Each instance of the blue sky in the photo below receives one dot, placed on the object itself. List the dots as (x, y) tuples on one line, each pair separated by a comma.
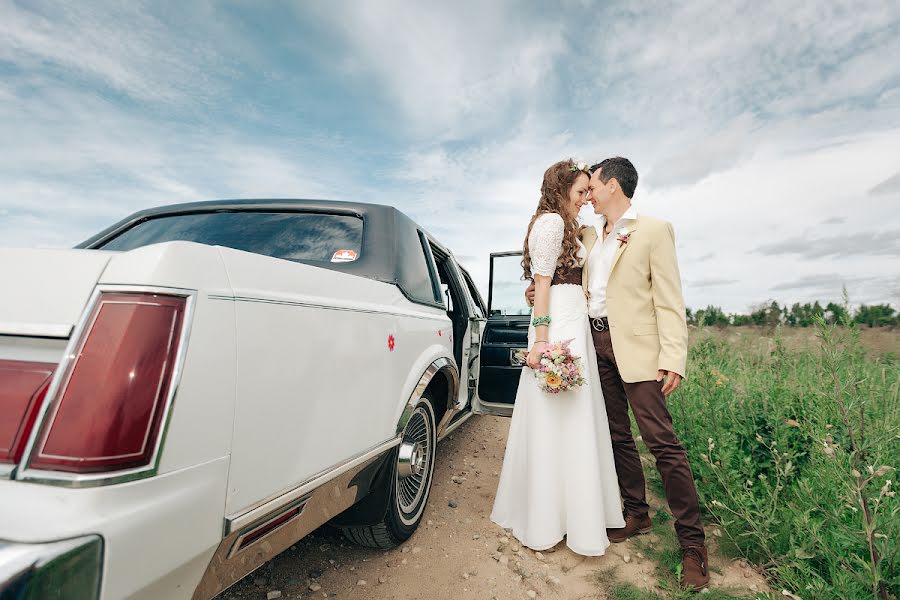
[(768, 133)]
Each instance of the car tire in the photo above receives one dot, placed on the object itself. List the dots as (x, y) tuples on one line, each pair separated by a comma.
[(410, 481)]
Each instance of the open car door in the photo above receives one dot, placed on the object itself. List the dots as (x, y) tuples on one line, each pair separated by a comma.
[(505, 332)]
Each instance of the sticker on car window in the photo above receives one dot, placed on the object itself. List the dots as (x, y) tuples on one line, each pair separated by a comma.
[(344, 256)]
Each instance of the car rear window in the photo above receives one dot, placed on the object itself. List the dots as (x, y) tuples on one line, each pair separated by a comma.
[(319, 237)]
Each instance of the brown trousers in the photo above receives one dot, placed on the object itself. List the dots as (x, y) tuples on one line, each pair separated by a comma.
[(655, 424)]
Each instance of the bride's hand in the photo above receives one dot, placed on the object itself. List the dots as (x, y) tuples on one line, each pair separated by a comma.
[(534, 355)]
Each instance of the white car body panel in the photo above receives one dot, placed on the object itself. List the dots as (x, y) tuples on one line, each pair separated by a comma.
[(150, 527), (303, 404)]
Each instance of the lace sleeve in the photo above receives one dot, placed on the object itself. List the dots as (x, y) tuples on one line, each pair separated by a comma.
[(545, 244)]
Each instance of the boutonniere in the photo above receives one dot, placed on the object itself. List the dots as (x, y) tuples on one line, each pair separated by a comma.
[(622, 235)]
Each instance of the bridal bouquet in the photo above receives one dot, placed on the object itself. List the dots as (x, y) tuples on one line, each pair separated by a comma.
[(560, 370)]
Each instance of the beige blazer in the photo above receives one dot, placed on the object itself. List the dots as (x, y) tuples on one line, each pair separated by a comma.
[(644, 301)]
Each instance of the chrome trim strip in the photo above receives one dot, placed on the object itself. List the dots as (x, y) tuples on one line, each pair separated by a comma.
[(441, 364), (513, 361), (274, 503), (44, 330), (299, 504), (450, 429), (62, 373), (426, 317), (441, 427), (325, 502)]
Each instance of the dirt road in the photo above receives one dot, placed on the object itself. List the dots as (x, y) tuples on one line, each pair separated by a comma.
[(458, 553)]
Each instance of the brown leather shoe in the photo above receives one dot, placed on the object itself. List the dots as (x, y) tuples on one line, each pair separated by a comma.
[(694, 568), (633, 526)]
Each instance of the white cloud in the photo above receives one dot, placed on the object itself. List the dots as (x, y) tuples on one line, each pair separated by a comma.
[(75, 162), (121, 46), (777, 196), (890, 185), (721, 220), (746, 124), (451, 69), (749, 126), (698, 64)]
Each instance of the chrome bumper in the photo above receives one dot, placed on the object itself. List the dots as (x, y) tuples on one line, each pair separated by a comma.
[(70, 569)]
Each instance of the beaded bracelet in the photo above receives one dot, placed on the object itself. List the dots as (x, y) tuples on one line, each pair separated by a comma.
[(538, 321)]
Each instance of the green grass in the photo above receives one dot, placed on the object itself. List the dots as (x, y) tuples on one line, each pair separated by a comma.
[(792, 447), (626, 591), (604, 577), (666, 553)]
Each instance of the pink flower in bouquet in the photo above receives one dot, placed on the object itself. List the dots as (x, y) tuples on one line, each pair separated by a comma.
[(559, 370)]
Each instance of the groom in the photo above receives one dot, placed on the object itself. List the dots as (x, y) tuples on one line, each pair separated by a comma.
[(639, 328)]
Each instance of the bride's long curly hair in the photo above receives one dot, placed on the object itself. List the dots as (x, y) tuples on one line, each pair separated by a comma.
[(558, 181)]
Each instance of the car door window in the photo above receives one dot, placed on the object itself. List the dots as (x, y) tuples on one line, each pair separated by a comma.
[(432, 270), (507, 292), (480, 310)]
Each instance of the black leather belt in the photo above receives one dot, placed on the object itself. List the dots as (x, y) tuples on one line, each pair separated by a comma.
[(601, 324)]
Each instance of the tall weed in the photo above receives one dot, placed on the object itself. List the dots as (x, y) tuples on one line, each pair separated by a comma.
[(794, 453)]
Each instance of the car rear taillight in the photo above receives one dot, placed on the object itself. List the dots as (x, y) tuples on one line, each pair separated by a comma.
[(110, 405), (23, 386)]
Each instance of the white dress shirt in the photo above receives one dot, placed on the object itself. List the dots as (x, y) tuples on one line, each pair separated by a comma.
[(600, 262)]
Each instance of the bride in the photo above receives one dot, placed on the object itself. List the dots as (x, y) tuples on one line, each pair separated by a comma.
[(558, 477)]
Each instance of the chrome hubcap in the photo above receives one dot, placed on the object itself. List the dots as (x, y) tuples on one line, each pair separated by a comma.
[(411, 460), (414, 461)]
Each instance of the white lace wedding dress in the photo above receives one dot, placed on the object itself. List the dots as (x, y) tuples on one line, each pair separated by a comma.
[(558, 477)]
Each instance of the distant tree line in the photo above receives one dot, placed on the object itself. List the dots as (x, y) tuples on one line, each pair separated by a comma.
[(798, 315)]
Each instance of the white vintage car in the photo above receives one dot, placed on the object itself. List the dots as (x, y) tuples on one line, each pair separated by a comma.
[(194, 389)]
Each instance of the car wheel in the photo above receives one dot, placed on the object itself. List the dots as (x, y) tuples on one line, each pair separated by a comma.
[(413, 470)]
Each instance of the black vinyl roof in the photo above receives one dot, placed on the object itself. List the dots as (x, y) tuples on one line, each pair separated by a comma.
[(390, 238)]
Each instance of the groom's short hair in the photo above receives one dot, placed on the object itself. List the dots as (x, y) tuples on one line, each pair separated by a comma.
[(622, 170)]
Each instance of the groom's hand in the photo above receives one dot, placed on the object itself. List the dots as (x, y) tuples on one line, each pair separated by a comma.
[(529, 295), (672, 381)]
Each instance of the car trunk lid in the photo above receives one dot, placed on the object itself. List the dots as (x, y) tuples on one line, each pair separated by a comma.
[(45, 291), (44, 295)]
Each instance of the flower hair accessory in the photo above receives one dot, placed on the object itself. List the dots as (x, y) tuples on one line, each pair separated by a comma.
[(583, 167)]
